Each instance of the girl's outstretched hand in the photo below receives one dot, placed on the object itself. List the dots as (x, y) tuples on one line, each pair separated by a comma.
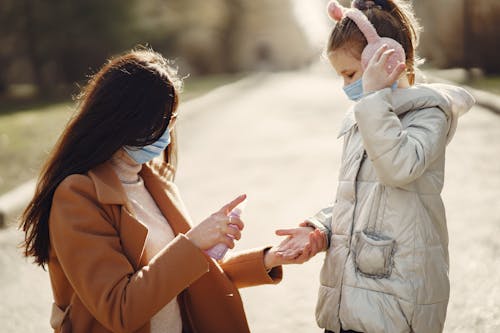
[(375, 76), (302, 244)]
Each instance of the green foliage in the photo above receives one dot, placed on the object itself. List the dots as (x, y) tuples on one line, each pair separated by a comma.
[(84, 33), (488, 83), (53, 44), (25, 140), (61, 40)]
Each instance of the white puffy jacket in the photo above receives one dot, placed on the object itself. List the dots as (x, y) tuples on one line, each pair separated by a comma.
[(386, 268)]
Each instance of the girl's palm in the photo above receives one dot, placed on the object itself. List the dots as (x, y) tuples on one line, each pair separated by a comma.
[(303, 242)]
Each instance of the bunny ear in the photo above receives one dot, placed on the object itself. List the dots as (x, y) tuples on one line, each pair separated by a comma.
[(335, 10)]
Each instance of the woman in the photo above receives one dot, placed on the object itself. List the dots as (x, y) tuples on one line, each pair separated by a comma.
[(108, 221)]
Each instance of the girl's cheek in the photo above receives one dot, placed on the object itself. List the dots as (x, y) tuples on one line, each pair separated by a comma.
[(358, 76)]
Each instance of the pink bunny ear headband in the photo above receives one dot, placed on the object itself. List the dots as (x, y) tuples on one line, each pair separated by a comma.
[(337, 12)]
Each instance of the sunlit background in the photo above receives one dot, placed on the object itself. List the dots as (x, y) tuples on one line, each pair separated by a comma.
[(47, 48), (256, 80), (48, 51)]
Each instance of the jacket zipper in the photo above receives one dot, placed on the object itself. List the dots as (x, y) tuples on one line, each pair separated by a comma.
[(362, 159)]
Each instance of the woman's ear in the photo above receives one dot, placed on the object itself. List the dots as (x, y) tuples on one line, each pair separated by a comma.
[(335, 10)]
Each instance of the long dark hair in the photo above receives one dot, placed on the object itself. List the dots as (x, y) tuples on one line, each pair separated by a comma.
[(391, 18), (130, 102)]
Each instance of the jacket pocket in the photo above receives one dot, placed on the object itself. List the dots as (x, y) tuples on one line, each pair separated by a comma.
[(59, 319), (374, 254)]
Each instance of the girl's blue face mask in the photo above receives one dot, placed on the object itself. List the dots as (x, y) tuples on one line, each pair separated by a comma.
[(354, 91), (147, 153)]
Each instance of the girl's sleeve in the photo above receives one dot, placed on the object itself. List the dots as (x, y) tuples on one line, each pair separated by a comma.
[(89, 250), (400, 154), (322, 220)]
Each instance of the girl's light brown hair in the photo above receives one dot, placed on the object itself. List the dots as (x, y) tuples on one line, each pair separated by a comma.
[(129, 102), (391, 18)]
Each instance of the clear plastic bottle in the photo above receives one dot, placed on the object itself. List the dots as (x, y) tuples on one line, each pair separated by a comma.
[(219, 251)]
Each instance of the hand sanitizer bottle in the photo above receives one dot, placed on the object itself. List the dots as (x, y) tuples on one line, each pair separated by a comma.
[(219, 251)]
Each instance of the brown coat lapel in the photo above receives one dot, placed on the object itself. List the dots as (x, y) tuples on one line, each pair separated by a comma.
[(133, 233)]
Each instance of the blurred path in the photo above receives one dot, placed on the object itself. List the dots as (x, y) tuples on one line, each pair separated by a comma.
[(25, 294), (274, 137)]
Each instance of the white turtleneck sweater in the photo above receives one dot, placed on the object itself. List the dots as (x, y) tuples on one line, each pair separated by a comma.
[(168, 319)]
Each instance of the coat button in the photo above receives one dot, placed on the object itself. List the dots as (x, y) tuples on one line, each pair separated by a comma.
[(358, 156)]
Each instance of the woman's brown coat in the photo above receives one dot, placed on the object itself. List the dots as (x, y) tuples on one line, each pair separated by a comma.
[(98, 282)]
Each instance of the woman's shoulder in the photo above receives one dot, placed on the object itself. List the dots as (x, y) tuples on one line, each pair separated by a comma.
[(75, 193), (99, 184), (83, 195), (75, 185)]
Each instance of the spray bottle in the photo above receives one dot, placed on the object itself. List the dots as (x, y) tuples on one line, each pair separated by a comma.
[(219, 251)]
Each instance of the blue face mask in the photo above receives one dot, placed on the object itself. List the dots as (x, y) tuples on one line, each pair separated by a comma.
[(147, 153), (354, 91)]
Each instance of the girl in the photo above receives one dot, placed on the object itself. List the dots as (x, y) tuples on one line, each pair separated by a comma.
[(108, 221), (386, 266)]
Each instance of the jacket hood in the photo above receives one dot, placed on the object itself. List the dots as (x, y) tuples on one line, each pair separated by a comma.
[(452, 100)]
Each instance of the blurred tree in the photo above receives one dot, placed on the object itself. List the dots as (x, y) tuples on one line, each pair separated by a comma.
[(235, 14), (267, 36), (482, 50), (466, 38), (93, 29), (193, 30), (61, 39), (53, 44), (9, 28), (33, 37)]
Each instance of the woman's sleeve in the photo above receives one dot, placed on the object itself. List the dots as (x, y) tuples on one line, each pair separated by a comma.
[(247, 269), (89, 250), (400, 154)]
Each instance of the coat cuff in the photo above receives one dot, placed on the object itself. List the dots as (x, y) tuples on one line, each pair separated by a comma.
[(247, 269), (177, 253)]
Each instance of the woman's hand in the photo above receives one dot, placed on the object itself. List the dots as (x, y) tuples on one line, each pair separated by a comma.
[(375, 76), (302, 244), (217, 228)]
